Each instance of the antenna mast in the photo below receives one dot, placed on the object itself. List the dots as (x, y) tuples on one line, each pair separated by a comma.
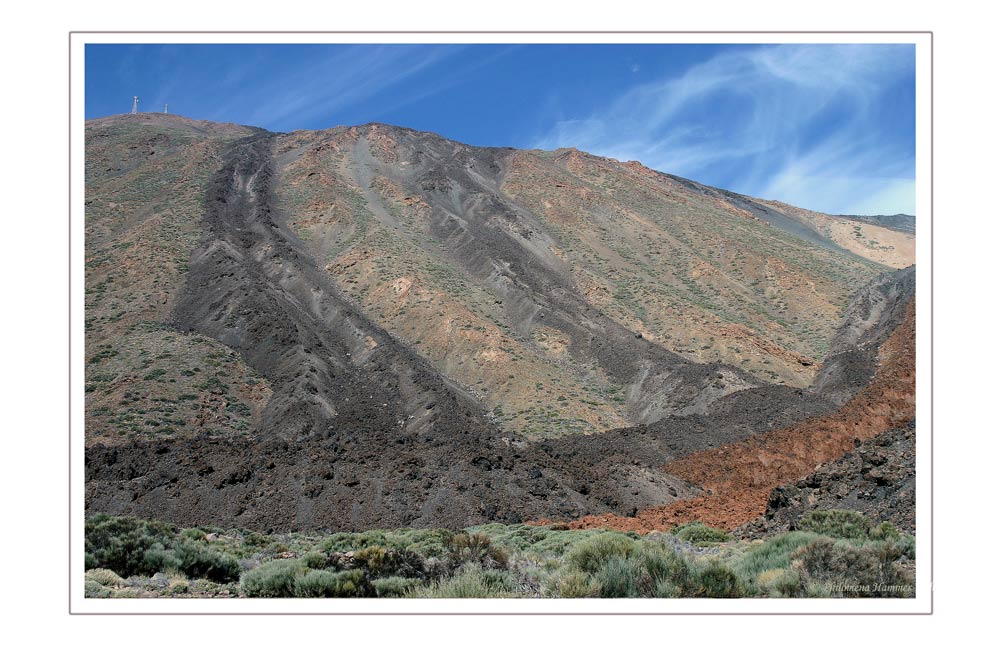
[(135, 104)]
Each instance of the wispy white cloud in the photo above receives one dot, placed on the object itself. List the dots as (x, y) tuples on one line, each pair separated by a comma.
[(798, 123), (321, 89)]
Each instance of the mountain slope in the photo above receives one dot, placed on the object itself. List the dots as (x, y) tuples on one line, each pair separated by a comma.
[(530, 276), (373, 326)]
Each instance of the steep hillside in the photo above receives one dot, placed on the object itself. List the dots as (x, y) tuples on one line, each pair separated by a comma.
[(565, 292), (529, 276), (373, 326), (146, 177)]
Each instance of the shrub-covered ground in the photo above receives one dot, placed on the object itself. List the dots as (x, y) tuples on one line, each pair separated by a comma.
[(835, 554)]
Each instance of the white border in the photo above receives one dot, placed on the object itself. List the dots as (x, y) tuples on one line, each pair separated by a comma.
[(921, 604)]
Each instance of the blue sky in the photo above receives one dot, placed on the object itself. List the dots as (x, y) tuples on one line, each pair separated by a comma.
[(825, 127)]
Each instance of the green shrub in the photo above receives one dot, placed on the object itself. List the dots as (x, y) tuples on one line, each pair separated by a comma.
[(193, 533), (837, 568), (575, 585), (159, 559), (105, 577), (885, 531), (475, 548), (427, 542), (619, 566), (472, 582), (517, 538), (621, 576), (351, 542), (379, 562), (272, 579), (664, 565), (779, 583), (94, 590), (256, 540), (324, 583), (836, 523), (667, 589), (394, 586), (589, 555), (700, 534), (201, 562), (774, 554), (373, 558), (908, 544), (537, 541), (119, 543), (715, 581), (315, 560), (178, 585)]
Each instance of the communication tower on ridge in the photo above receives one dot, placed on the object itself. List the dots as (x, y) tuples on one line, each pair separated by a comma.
[(135, 104)]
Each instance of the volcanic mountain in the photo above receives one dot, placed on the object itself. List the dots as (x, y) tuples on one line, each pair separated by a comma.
[(373, 326)]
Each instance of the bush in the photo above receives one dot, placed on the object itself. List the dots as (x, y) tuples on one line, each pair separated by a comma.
[(589, 555), (908, 544), (324, 583), (666, 566), (836, 523), (394, 586), (475, 548), (272, 579), (94, 590), (160, 559), (667, 589), (193, 533), (619, 566), (379, 562), (884, 532), (472, 582), (256, 540), (350, 542), (621, 576), (427, 542), (700, 534), (105, 577), (373, 558), (315, 560), (772, 555), (779, 583), (178, 585), (200, 562), (575, 585), (837, 568), (120, 543), (715, 581)]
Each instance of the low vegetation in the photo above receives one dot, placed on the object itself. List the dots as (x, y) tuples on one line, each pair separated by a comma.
[(829, 556)]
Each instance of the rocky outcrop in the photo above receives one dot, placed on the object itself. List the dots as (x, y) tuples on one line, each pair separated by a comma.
[(876, 479)]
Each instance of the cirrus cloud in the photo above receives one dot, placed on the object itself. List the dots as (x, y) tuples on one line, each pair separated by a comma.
[(817, 126)]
